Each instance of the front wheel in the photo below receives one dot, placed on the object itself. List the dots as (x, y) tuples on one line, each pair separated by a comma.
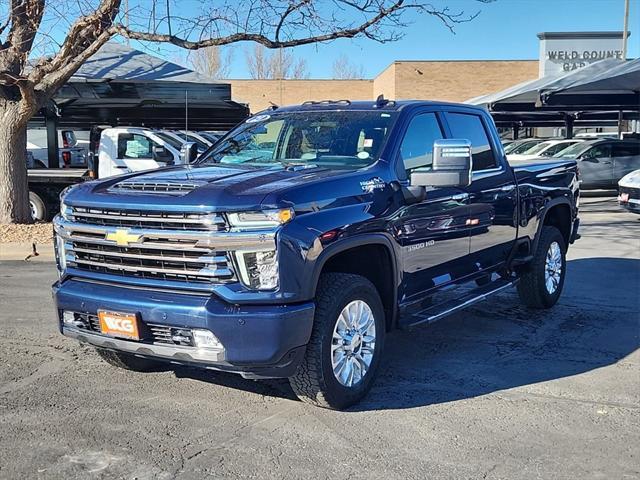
[(541, 283), (344, 351)]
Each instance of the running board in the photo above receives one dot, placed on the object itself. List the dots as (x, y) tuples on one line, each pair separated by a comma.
[(436, 312)]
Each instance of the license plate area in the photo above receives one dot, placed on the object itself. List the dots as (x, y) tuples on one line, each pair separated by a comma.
[(119, 324)]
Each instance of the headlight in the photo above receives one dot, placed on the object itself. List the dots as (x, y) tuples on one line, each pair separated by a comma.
[(61, 255), (260, 220), (65, 210), (258, 270)]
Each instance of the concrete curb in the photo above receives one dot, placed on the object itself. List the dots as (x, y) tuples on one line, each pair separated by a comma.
[(22, 250)]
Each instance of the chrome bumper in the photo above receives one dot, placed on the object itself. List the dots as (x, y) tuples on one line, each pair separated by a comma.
[(166, 352)]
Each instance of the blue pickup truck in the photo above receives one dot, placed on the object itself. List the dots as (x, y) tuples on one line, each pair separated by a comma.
[(295, 243)]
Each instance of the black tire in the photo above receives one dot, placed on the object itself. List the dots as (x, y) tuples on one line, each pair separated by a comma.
[(130, 362), (39, 211), (314, 381), (532, 287), (39, 164)]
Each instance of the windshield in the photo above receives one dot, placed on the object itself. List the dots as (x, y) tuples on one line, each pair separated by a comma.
[(573, 151), (537, 148), (190, 138), (177, 144), (331, 139), (523, 147)]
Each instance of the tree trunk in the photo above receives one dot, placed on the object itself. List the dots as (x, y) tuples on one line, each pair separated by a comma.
[(14, 191)]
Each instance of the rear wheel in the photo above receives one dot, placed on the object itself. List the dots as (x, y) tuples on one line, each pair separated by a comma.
[(343, 354), (38, 208), (541, 283), (130, 362)]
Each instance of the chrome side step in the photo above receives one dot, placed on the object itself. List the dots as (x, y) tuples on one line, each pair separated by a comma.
[(441, 310)]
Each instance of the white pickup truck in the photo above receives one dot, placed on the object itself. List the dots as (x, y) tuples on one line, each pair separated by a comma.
[(120, 150), (131, 149)]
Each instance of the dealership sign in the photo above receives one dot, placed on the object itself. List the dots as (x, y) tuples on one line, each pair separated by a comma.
[(568, 51)]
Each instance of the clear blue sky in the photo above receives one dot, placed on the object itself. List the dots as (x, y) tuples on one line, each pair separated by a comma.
[(505, 29)]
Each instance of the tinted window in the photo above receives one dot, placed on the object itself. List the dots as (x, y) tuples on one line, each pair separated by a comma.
[(417, 145), (470, 127), (558, 147), (626, 149), (132, 145), (348, 139), (598, 151)]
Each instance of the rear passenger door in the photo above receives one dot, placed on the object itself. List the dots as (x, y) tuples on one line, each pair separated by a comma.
[(492, 220), (596, 166), (432, 233), (626, 158)]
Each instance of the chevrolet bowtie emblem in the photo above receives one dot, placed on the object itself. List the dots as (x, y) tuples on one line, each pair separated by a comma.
[(122, 237)]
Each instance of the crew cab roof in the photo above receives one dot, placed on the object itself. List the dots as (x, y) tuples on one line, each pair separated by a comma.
[(372, 105)]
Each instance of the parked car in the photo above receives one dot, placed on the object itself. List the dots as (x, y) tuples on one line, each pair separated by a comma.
[(520, 146), (180, 138), (131, 149), (363, 217), (602, 163), (629, 191), (212, 137), (547, 148), (115, 151)]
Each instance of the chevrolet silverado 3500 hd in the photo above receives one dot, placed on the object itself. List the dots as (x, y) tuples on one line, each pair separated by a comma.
[(295, 243)]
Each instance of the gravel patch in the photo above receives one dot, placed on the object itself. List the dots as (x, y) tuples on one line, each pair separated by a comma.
[(38, 232)]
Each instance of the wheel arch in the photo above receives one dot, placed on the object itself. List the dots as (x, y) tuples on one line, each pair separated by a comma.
[(371, 256), (557, 213)]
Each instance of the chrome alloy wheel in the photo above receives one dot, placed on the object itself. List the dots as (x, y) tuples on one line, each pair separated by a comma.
[(353, 343), (553, 268)]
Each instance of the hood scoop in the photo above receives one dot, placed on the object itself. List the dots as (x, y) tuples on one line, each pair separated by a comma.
[(157, 186)]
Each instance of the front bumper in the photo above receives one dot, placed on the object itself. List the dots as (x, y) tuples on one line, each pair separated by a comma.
[(259, 341), (632, 204)]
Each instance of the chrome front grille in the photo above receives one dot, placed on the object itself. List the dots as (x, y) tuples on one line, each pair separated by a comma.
[(148, 219), (178, 248), (162, 264)]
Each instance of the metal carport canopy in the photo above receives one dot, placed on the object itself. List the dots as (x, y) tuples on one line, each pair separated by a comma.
[(123, 86), (606, 85)]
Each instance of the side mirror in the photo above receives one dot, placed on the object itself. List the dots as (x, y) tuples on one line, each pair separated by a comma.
[(451, 167), (161, 154), (189, 152)]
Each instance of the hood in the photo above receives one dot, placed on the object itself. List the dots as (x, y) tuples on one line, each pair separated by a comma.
[(630, 180), (212, 188)]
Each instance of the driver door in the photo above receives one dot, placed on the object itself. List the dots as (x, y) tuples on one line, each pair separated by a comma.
[(432, 233)]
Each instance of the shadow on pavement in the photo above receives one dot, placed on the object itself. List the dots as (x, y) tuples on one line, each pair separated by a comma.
[(499, 344)]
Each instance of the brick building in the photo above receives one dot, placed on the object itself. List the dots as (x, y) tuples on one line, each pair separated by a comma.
[(454, 81)]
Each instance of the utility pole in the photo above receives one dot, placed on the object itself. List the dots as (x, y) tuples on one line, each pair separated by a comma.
[(624, 58), (624, 30)]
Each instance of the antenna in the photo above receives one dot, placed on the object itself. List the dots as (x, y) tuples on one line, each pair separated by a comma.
[(186, 114)]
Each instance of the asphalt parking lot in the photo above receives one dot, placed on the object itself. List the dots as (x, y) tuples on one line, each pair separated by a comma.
[(495, 392)]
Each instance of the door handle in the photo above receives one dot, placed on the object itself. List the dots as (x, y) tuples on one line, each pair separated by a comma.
[(606, 163), (121, 166), (460, 196), (507, 188)]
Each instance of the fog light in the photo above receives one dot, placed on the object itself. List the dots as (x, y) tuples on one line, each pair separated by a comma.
[(205, 339), (69, 318)]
